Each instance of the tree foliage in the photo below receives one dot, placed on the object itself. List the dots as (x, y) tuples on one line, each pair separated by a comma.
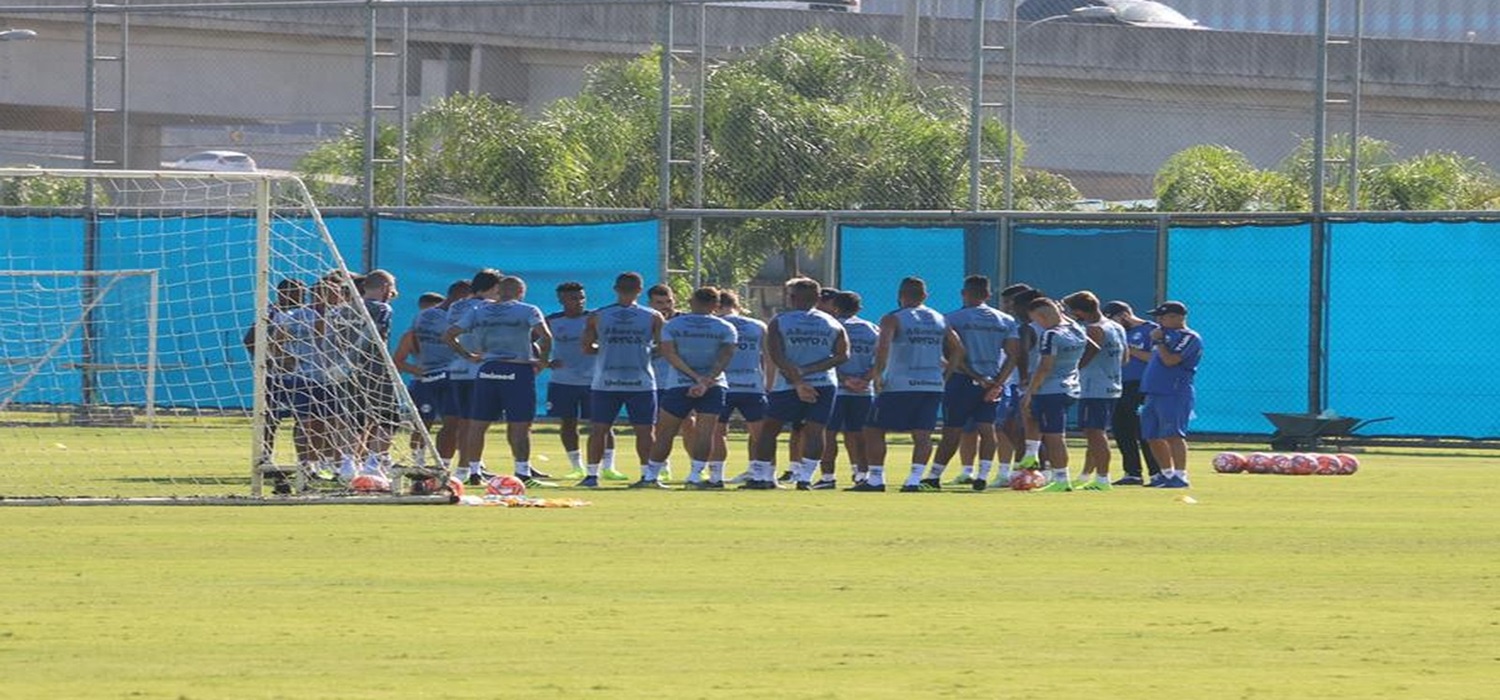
[(815, 120)]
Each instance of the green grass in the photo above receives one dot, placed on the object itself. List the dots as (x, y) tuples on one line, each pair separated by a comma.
[(1380, 585)]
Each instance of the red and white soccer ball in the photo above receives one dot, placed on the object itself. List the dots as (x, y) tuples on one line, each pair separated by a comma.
[(1348, 464), (1304, 464), (1260, 463), (370, 483), (1230, 463), (1027, 479), (1328, 465), (505, 485), (431, 485), (1281, 463)]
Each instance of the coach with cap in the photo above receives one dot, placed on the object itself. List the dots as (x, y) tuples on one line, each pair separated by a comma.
[(1126, 423), (1168, 385)]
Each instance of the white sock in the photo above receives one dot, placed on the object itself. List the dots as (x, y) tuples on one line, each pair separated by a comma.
[(936, 471), (1101, 479), (523, 469), (476, 466), (609, 460), (877, 475), (809, 467), (652, 470), (1060, 475), (915, 475), (575, 458), (985, 466), (757, 470), (1005, 472), (967, 471), (715, 471), (825, 477), (1033, 448), (419, 457), (695, 471), (593, 470)]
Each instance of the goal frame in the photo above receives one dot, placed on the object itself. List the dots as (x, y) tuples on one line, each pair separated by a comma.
[(260, 205)]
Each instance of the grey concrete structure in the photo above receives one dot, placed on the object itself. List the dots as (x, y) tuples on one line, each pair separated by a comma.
[(1103, 101)]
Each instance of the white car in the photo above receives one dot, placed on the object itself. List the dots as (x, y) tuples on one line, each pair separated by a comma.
[(217, 161)]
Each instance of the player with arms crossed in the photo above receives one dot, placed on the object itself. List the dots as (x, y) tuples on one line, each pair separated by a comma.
[(1168, 386), (804, 345), (572, 374), (697, 346), (746, 375), (914, 339), (1054, 387), (500, 337), (1099, 386), (621, 337)]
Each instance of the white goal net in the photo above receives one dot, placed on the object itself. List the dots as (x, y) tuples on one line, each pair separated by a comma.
[(168, 335)]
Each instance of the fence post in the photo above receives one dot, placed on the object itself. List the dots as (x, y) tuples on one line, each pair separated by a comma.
[(1317, 282), (1163, 231)]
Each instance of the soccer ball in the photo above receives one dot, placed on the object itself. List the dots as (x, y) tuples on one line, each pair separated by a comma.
[(370, 483), (431, 485), (1328, 464), (1260, 463), (505, 485), (1027, 479), (1229, 463), (1348, 464), (1281, 464), (1303, 464)]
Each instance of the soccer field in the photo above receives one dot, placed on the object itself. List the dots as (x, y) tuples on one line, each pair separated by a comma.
[(1372, 586)]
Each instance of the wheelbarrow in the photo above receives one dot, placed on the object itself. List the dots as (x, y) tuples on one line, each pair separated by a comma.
[(1305, 432)]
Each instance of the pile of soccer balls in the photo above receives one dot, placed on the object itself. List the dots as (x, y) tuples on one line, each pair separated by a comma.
[(1293, 464)]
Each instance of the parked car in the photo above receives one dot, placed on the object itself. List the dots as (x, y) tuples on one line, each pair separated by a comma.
[(217, 161)]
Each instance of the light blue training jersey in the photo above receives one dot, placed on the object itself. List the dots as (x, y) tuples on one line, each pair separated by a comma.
[(501, 331), (461, 368), (428, 327), (298, 329), (698, 339), (983, 330), (576, 368), (807, 337), (746, 374), (625, 343), (1064, 343), (862, 338), (915, 362), (1102, 377)]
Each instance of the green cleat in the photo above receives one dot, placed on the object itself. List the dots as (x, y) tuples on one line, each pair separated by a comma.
[(576, 475), (1094, 486), (961, 480), (613, 475), (1056, 487), (1028, 462), (532, 483)]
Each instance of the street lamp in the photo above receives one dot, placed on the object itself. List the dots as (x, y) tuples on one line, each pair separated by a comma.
[(1085, 12), (17, 34)]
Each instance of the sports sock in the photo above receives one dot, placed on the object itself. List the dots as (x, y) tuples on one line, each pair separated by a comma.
[(877, 475), (915, 475), (609, 460), (985, 466), (695, 471), (967, 471), (809, 467), (419, 457), (652, 470), (576, 459), (1060, 475), (715, 471), (523, 469), (758, 470), (936, 470), (1033, 448), (1102, 479), (1005, 472), (593, 470)]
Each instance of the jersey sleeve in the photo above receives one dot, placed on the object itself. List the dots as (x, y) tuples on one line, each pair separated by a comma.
[(666, 332), (1189, 347), (1048, 343), (535, 318), (465, 320)]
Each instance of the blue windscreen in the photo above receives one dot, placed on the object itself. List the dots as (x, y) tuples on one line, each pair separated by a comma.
[(1246, 289), (1113, 262), (1386, 283), (27, 338), (873, 260)]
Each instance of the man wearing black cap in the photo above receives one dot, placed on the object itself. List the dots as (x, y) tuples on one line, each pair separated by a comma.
[(1126, 423), (1168, 385)]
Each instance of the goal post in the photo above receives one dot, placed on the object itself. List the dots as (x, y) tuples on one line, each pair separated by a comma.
[(155, 325)]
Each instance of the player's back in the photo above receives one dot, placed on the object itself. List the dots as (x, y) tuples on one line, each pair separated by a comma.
[(746, 374), (1065, 343), (982, 330), (432, 353), (575, 368), (698, 339), (462, 368), (863, 335), (915, 362), (807, 337), (1101, 378), (502, 331), (298, 329), (625, 339)]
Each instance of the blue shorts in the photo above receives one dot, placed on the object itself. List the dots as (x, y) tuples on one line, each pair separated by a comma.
[(752, 407), (505, 391), (850, 413), (964, 404), (1166, 415), (568, 400), (460, 399), (905, 410), (430, 393), (679, 404), (784, 406), (1009, 405), (1051, 412), (1096, 414), (640, 406)]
